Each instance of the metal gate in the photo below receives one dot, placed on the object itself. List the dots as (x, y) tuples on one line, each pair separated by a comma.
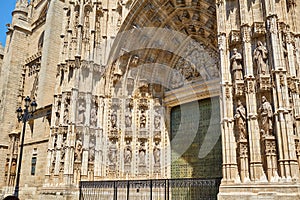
[(155, 189)]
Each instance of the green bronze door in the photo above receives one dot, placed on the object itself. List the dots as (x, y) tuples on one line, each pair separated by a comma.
[(196, 146)]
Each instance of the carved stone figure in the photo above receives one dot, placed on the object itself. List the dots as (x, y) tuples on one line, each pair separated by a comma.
[(176, 80), (127, 155), (143, 120), (66, 116), (156, 155), (78, 150), (240, 117), (57, 115), (112, 152), (63, 147), (113, 119), (128, 119), (236, 65), (157, 122), (13, 167), (81, 113), (266, 114), (94, 116), (92, 149), (260, 58), (142, 154)]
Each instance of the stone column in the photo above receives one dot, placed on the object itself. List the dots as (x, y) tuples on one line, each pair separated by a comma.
[(58, 157), (269, 145), (256, 170), (50, 153), (283, 120), (230, 172), (98, 154), (297, 84)]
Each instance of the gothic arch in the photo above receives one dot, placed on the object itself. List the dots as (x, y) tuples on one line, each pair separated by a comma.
[(164, 55)]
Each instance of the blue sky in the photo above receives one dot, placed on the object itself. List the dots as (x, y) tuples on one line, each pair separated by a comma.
[(6, 7)]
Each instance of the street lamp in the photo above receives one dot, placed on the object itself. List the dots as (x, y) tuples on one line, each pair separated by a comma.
[(23, 116)]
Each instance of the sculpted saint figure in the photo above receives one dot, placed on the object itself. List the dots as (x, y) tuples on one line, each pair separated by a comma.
[(266, 114), (143, 120), (112, 153), (78, 150), (66, 116), (236, 65), (94, 116), (142, 154), (240, 117), (261, 57), (127, 155), (81, 113), (128, 119), (157, 122), (114, 120), (156, 154)]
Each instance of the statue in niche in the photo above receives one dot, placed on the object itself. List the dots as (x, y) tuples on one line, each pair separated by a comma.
[(81, 113), (260, 58), (13, 167), (128, 119), (142, 154), (94, 116), (240, 117), (58, 106), (114, 119), (266, 115), (86, 24), (156, 154), (157, 122), (127, 155), (236, 65), (78, 150), (16, 145), (63, 147), (92, 149), (66, 116), (112, 152), (143, 120), (57, 115), (98, 30)]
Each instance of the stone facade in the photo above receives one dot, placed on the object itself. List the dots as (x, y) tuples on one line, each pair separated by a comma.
[(107, 76)]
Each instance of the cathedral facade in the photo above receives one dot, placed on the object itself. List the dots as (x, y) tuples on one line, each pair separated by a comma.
[(152, 90)]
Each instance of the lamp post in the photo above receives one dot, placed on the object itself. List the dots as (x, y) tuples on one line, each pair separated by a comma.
[(23, 116)]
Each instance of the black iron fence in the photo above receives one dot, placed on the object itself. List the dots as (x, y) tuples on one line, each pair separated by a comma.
[(155, 189)]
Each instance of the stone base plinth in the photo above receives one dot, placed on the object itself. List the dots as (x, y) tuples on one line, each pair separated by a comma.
[(59, 193), (278, 191)]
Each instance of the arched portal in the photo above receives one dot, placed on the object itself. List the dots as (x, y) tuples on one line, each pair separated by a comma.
[(163, 88)]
